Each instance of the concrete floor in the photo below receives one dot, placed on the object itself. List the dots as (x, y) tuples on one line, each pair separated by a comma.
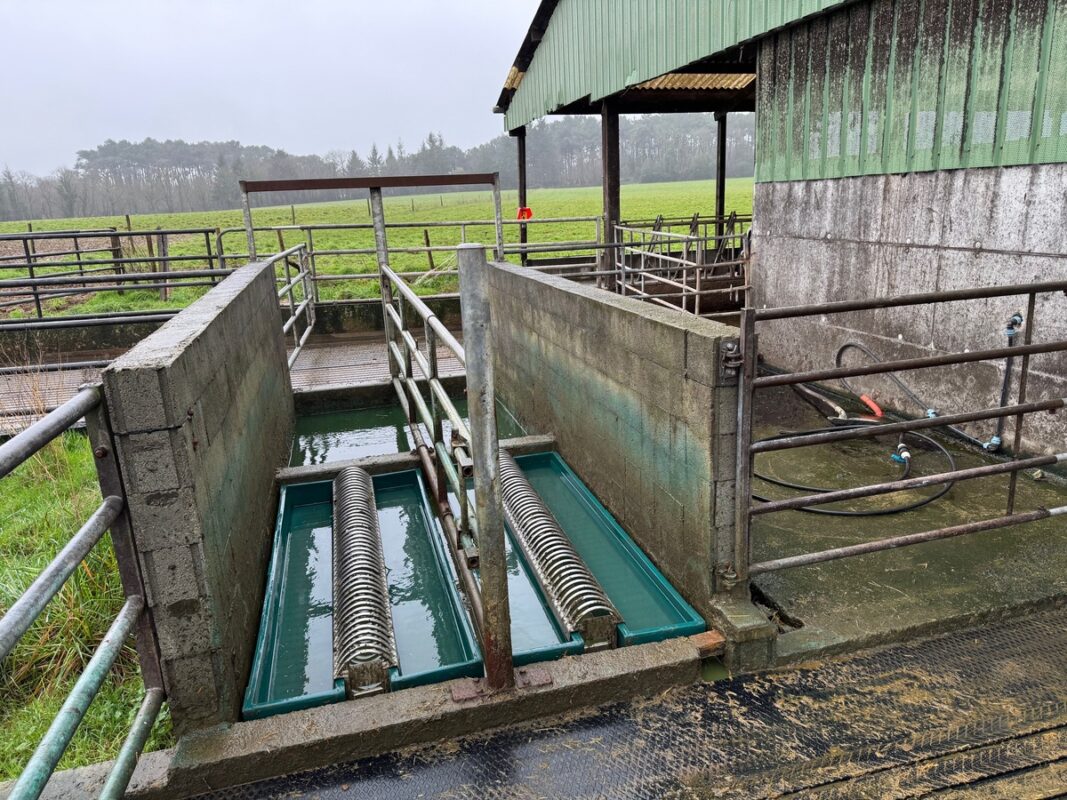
[(863, 600), (975, 714)]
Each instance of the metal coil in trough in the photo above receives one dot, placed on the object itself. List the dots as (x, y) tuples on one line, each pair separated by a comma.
[(577, 599), (364, 647)]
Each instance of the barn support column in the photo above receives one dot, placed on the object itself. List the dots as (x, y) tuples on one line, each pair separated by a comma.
[(520, 141), (609, 149), (720, 174)]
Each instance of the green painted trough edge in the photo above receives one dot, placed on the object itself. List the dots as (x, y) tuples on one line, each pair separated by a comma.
[(689, 623), (289, 497)]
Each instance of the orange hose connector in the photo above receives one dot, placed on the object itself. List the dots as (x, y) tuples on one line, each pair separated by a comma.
[(873, 406)]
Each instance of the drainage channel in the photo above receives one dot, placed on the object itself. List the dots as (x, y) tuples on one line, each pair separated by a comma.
[(294, 663)]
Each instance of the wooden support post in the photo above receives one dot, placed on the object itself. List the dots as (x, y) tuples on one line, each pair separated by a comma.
[(609, 148), (520, 141)]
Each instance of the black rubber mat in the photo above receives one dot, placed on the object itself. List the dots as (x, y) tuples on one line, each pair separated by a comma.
[(979, 713)]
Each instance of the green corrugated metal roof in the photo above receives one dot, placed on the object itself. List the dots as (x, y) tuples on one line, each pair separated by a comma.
[(595, 48)]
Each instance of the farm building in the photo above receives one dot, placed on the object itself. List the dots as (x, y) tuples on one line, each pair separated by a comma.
[(903, 146), (717, 506)]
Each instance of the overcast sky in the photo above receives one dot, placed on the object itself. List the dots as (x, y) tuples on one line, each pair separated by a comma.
[(307, 76)]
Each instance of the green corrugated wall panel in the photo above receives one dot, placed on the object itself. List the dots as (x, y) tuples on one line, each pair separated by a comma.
[(1052, 143), (895, 86), (596, 48)]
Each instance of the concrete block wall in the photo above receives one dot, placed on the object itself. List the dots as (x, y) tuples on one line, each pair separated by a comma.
[(633, 394), (886, 235), (203, 415)]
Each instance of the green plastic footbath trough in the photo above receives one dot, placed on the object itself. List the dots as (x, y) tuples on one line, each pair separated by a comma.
[(293, 663)]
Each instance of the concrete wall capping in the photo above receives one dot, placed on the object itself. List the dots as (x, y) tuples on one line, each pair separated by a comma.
[(202, 412)]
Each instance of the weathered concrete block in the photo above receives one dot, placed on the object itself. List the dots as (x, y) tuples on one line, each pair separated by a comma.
[(205, 412), (630, 391)]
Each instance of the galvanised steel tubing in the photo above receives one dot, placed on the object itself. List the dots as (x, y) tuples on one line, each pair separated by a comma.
[(100, 234), (732, 571), (126, 761), (246, 212), (106, 262), (762, 567), (128, 277), (108, 288), (299, 346), (1024, 378), (69, 365), (471, 589), (44, 760), (815, 376), (24, 611), (107, 315), (489, 509), (300, 309), (30, 325), (871, 431), (21, 447), (102, 443), (427, 315), (910, 483), (842, 306)]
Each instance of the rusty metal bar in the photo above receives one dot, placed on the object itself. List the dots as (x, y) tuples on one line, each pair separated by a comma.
[(1020, 419), (903, 365), (955, 295), (871, 431), (923, 482), (904, 541)]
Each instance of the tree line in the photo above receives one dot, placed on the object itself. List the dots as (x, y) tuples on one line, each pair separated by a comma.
[(122, 177)]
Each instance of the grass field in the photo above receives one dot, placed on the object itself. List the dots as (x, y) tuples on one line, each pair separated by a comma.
[(49, 497), (640, 201)]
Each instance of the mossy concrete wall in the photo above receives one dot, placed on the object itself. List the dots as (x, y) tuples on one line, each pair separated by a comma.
[(634, 396), (888, 235), (203, 415)]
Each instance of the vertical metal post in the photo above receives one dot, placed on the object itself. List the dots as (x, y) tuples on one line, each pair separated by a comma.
[(164, 266), (29, 266), (246, 207), (219, 249), (481, 404), (381, 247), (1024, 378), (720, 175), (438, 432), (520, 140), (98, 428), (609, 149), (498, 217), (733, 575)]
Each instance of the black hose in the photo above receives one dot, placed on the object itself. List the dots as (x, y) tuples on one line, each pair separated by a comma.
[(911, 506), (918, 401)]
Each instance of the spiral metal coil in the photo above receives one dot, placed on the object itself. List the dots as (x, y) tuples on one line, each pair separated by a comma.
[(576, 597), (364, 647)]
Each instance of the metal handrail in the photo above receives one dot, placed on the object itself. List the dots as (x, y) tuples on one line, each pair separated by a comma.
[(737, 568), (35, 599)]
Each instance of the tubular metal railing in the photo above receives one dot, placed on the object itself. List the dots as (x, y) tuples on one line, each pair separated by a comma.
[(111, 515), (301, 305), (682, 270), (738, 568), (77, 268), (567, 249)]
